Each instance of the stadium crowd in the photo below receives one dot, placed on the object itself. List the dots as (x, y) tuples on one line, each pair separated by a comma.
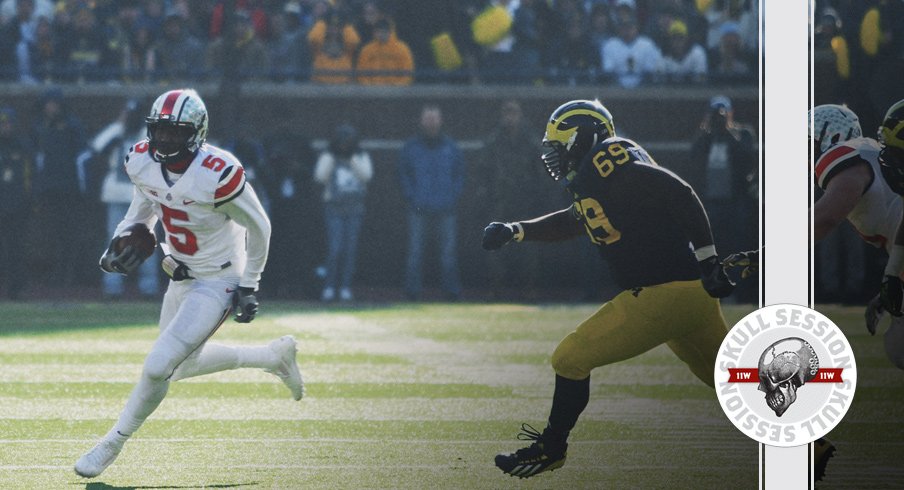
[(389, 42), (58, 165)]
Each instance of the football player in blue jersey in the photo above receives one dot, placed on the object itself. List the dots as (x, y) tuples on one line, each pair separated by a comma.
[(651, 227)]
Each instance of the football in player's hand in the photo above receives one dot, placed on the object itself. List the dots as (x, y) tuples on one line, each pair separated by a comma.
[(139, 237)]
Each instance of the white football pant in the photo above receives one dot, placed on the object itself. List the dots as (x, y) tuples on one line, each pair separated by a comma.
[(192, 311)]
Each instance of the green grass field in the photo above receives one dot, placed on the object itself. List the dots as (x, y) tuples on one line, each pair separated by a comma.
[(406, 396)]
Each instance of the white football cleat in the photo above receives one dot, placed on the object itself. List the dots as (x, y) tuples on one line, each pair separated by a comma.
[(285, 348), (95, 461)]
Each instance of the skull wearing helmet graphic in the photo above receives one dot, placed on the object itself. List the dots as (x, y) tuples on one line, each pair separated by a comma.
[(784, 367)]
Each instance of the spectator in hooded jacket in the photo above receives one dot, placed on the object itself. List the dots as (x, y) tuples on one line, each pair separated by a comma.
[(333, 43), (386, 60)]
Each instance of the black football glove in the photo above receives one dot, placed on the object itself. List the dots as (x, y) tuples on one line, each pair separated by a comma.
[(749, 260), (244, 304), (175, 269), (124, 262), (497, 234), (891, 295), (715, 281)]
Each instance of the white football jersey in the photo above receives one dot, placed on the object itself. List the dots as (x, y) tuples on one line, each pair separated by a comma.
[(878, 212), (199, 233)]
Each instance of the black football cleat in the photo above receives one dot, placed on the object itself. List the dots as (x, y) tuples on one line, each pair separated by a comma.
[(823, 449), (545, 454)]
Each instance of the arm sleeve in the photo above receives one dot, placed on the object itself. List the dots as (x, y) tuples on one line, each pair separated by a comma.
[(106, 136), (554, 227), (362, 166), (141, 210), (247, 211), (324, 168)]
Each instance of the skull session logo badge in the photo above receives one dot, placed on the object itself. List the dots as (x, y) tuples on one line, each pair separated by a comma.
[(763, 365), (784, 367)]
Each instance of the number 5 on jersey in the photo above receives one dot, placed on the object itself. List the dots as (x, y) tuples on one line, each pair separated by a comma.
[(180, 238)]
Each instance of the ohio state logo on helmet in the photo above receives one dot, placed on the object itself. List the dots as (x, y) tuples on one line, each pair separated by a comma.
[(763, 365)]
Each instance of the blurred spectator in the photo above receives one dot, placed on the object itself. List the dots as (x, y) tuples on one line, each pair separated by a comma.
[(154, 13), (294, 209), (683, 61), (386, 60), (333, 43), (494, 30), (178, 54), (17, 37), (86, 52), (729, 61), (431, 173), (630, 58), (139, 60), (600, 28), (39, 8), (418, 23), (742, 14), (660, 20), (44, 53), (253, 10), (366, 23), (831, 58), (59, 187), (514, 186), (111, 145), (727, 152), (290, 56), (579, 57), (15, 203), (530, 29), (239, 52), (344, 170)]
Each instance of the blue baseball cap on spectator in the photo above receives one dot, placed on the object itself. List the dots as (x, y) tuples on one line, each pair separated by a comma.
[(729, 27), (720, 101)]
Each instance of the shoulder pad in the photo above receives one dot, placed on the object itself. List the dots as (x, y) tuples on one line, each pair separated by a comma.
[(838, 158), (232, 183)]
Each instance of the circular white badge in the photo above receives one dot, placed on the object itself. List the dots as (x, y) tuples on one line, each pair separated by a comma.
[(785, 375)]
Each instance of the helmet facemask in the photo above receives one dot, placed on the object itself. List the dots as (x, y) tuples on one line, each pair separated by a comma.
[(176, 126), (170, 142)]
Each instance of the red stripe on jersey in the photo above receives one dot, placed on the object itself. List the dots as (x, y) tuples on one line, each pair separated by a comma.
[(876, 240), (229, 187), (170, 102), (831, 157)]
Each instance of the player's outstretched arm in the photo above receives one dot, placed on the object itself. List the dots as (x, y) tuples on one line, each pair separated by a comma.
[(842, 193), (554, 227)]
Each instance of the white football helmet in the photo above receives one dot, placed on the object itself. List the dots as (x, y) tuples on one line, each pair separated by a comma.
[(185, 110), (832, 124)]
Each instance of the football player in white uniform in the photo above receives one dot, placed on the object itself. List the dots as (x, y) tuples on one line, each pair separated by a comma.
[(216, 243), (848, 170)]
